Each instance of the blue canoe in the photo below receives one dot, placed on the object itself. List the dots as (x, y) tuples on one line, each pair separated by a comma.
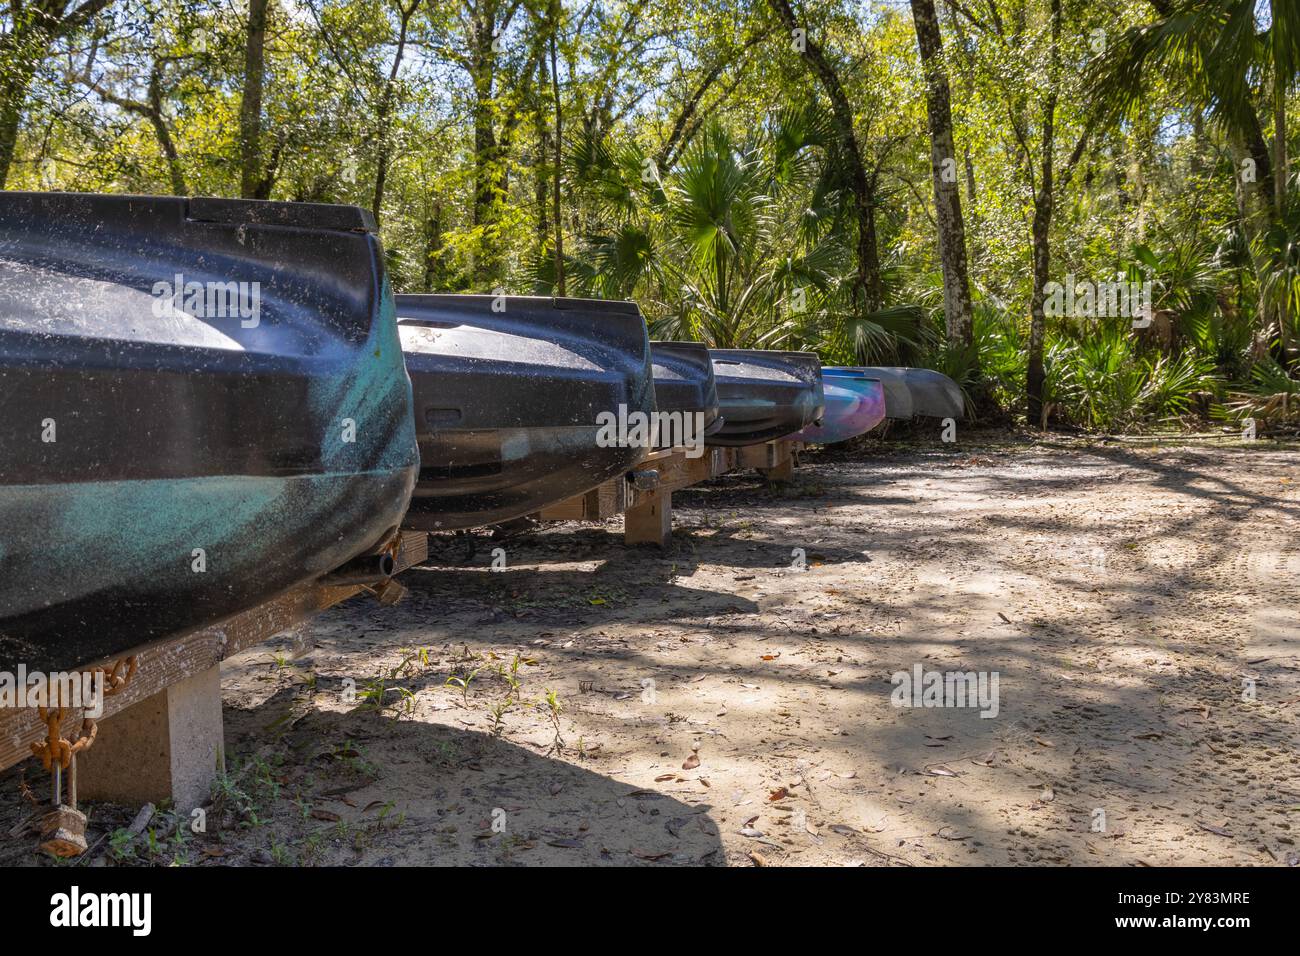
[(854, 406)]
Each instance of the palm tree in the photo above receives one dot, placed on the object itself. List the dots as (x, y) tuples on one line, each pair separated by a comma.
[(741, 245), (1236, 60)]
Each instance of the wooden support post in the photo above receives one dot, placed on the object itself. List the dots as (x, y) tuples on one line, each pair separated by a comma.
[(650, 520), (774, 460), (781, 472), (166, 747)]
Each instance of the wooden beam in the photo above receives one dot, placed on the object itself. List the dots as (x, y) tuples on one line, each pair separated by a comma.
[(644, 496), (161, 665), (603, 501)]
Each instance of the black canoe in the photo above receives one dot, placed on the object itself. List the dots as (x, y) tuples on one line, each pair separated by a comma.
[(510, 395), (684, 384), (205, 405), (763, 395)]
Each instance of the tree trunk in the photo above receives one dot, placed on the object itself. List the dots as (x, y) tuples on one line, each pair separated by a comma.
[(541, 172), (174, 171), (943, 169), (13, 95), (250, 106), (164, 136), (868, 292), (1279, 141), (559, 150), (153, 112), (482, 69), (1041, 230), (383, 120), (434, 269), (1037, 318), (1279, 197)]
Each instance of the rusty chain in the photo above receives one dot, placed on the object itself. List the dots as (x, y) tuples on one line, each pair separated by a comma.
[(54, 749)]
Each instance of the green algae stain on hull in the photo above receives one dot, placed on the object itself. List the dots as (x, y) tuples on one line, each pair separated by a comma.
[(118, 560)]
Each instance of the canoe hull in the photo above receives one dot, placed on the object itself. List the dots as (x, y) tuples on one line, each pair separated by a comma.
[(166, 468), (509, 397), (124, 572), (765, 395), (685, 384), (911, 392), (853, 408)]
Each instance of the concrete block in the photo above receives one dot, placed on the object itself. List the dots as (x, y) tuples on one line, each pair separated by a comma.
[(168, 746)]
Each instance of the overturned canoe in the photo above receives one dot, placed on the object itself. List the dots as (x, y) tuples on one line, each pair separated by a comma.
[(513, 396), (685, 386), (911, 392), (854, 406), (763, 395), (205, 406)]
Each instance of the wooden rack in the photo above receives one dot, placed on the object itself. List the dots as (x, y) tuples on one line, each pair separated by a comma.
[(172, 697), (644, 496)]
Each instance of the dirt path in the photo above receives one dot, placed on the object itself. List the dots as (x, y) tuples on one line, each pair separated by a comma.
[(718, 702)]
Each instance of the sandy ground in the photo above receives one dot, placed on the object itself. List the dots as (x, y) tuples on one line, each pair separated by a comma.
[(718, 705)]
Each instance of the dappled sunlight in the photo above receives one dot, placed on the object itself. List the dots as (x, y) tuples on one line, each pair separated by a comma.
[(735, 694), (1113, 602)]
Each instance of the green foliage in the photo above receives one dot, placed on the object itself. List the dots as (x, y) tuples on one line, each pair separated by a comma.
[(1101, 379), (699, 169), (1271, 398)]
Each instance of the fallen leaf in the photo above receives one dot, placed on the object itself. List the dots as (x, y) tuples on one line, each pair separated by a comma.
[(648, 854), (1213, 829)]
